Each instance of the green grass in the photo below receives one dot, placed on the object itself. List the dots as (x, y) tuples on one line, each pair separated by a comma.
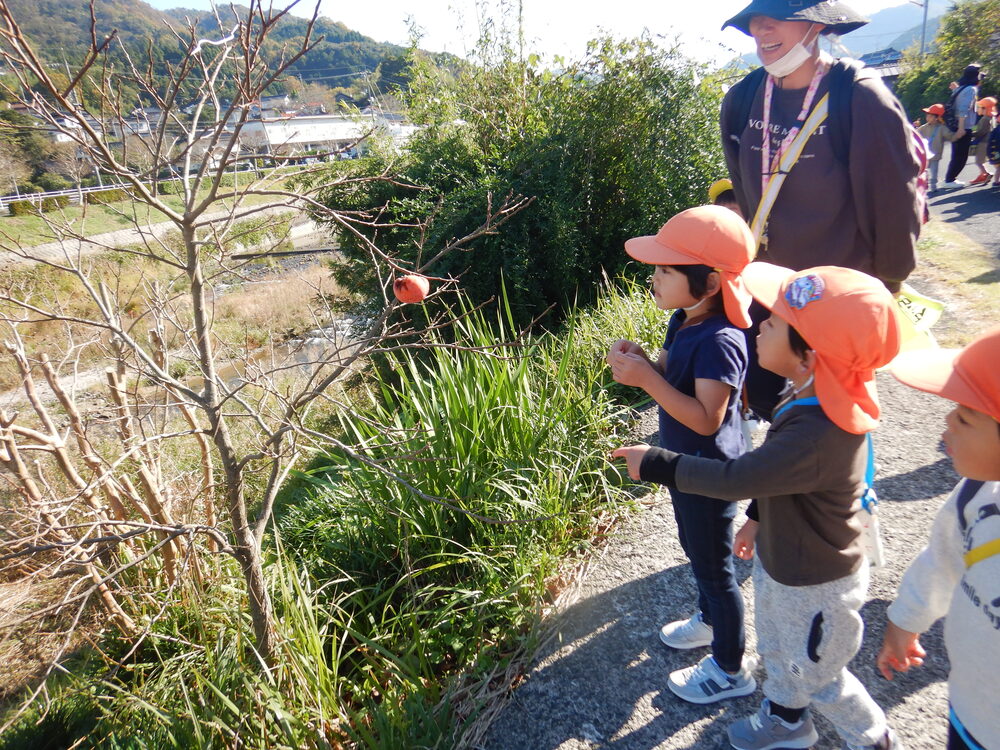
[(403, 583), (28, 231)]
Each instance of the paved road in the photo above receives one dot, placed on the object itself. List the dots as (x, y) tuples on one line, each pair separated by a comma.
[(973, 210)]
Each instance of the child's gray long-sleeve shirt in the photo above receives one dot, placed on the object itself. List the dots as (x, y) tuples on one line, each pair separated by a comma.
[(807, 477)]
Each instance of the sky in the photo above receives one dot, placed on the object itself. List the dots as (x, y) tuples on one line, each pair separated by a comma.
[(552, 27)]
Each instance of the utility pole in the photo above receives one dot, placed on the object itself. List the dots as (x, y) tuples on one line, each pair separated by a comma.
[(923, 27)]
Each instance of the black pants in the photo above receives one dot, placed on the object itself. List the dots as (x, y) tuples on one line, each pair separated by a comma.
[(959, 155), (705, 530)]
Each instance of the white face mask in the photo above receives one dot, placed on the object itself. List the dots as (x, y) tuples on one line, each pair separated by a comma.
[(792, 60)]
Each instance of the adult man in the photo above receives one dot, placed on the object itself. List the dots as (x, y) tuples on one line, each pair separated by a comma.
[(850, 197)]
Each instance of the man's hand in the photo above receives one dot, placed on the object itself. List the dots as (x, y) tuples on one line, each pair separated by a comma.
[(901, 650), (633, 455)]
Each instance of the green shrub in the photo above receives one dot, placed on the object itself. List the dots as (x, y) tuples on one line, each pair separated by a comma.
[(111, 195), (22, 208), (410, 549), (54, 203), (608, 149), (52, 182), (170, 187)]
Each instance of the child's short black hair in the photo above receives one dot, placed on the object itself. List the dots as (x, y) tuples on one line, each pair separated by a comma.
[(697, 276), (726, 197), (797, 343)]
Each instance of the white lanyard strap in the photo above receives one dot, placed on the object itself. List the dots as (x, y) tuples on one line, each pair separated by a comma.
[(789, 156), (767, 164)]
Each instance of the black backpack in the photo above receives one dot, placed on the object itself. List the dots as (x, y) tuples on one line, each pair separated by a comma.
[(843, 74), (950, 117), (993, 146)]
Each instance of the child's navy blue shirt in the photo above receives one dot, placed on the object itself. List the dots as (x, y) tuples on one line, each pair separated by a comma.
[(714, 349)]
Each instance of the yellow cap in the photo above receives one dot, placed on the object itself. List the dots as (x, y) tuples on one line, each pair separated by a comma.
[(718, 187)]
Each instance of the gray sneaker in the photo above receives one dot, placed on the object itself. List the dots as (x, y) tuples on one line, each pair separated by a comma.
[(762, 731), (889, 742), (707, 682), (689, 633)]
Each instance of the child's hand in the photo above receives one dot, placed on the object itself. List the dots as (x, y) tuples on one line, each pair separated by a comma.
[(629, 368), (901, 650), (624, 346), (633, 455), (745, 540)]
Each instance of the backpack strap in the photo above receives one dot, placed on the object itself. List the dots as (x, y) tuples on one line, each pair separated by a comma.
[(844, 73), (743, 93), (758, 226), (968, 491)]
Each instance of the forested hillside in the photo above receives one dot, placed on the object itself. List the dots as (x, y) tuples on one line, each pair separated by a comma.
[(61, 31)]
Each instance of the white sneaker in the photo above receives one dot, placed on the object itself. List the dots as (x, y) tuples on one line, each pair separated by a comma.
[(952, 185), (706, 682), (690, 633)]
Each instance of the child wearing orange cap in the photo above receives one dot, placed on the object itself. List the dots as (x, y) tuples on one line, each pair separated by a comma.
[(986, 109), (830, 329), (697, 380), (958, 573), (936, 133)]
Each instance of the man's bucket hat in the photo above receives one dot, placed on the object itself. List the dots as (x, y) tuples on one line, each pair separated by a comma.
[(968, 376), (837, 17), (848, 318), (710, 235)]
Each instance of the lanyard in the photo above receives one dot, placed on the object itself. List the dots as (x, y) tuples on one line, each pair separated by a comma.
[(807, 401), (759, 224), (769, 166)]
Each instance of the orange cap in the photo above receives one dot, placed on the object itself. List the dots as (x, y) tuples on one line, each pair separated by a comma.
[(988, 103), (848, 319), (935, 109), (713, 236), (969, 376)]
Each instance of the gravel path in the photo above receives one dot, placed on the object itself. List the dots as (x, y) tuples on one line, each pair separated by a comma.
[(599, 681)]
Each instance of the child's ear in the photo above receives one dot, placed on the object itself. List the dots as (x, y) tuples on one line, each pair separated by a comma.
[(808, 362), (713, 284)]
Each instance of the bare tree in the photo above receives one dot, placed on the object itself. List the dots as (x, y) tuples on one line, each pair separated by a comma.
[(110, 493), (13, 166), (70, 161)]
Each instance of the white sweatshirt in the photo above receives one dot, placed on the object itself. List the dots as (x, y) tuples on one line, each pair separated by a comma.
[(939, 582)]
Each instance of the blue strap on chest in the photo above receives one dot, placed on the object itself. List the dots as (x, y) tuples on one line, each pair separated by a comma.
[(808, 401)]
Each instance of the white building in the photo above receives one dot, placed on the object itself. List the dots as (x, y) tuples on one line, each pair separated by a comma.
[(288, 136)]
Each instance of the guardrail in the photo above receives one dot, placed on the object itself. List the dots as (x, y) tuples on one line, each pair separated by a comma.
[(76, 194)]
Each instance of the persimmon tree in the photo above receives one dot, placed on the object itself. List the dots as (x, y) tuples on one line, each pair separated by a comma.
[(127, 491)]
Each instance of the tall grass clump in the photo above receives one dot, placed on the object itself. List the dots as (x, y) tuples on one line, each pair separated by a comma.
[(407, 579), (499, 470)]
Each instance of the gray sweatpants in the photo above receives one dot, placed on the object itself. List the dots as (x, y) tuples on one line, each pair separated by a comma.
[(806, 635)]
